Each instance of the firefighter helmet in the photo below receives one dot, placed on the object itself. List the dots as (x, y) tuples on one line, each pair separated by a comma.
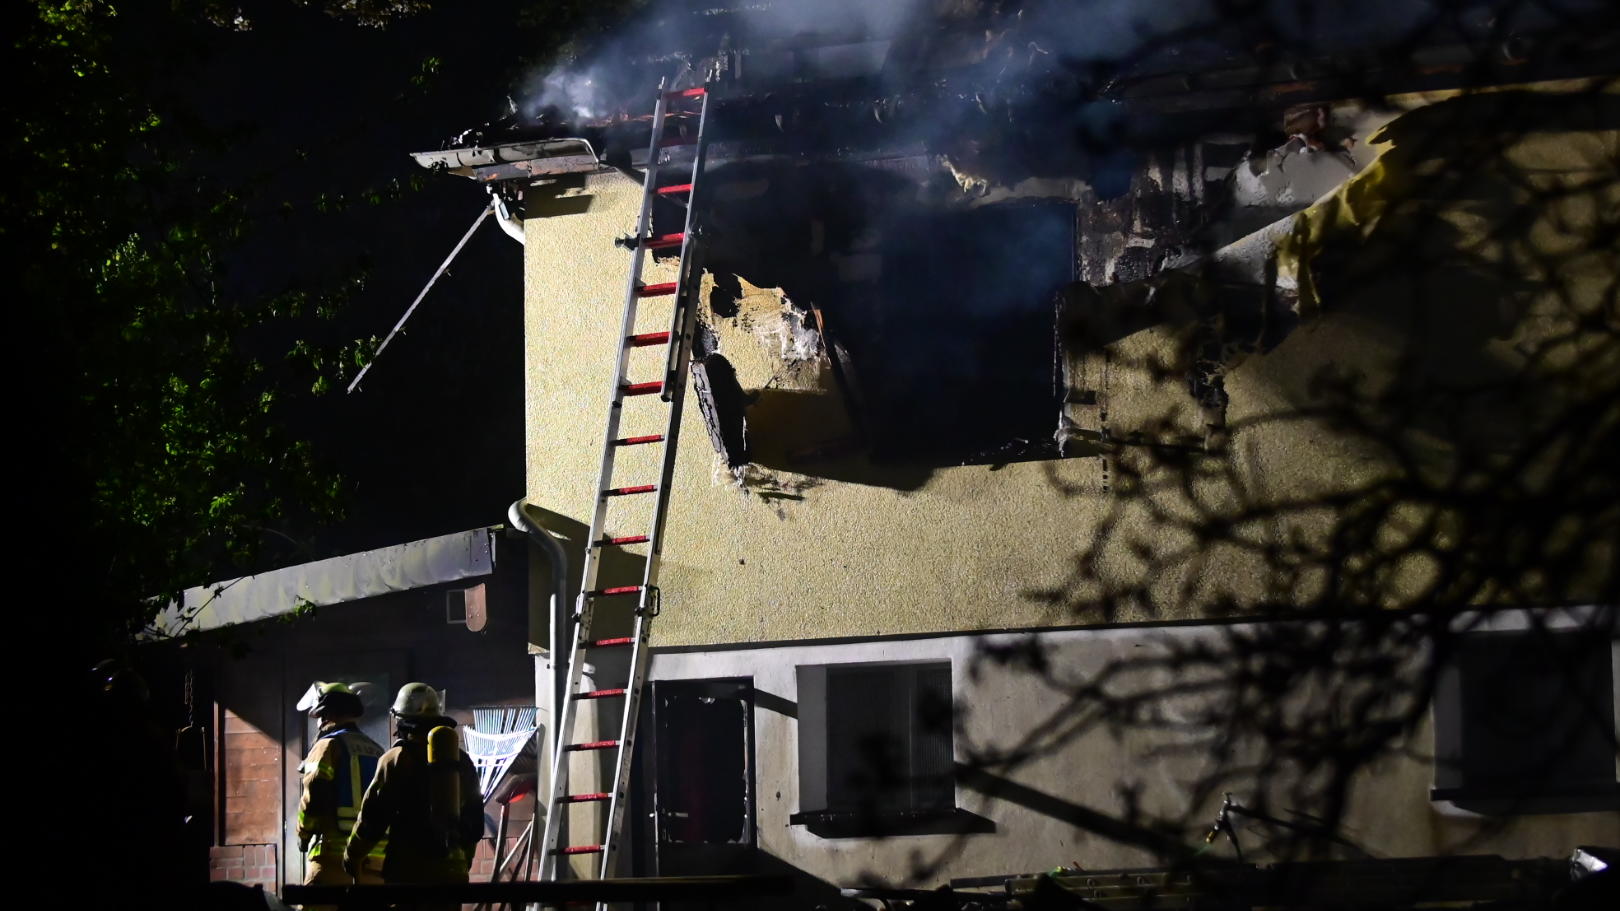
[(118, 683), (336, 700), (417, 700)]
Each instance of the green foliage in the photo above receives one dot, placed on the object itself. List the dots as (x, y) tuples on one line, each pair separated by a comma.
[(171, 384), (370, 13), (302, 608), (367, 13), (172, 426)]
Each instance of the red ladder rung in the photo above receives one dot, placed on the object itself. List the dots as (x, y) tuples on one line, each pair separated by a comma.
[(585, 798), (616, 590), (639, 441), (674, 188), (695, 92), (610, 643), (580, 849), (627, 491), (642, 388), (593, 745), (665, 241), (648, 338), (620, 542), (658, 290), (600, 694)]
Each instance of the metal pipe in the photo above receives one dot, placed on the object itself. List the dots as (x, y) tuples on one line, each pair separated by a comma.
[(510, 224), (425, 289), (559, 619)]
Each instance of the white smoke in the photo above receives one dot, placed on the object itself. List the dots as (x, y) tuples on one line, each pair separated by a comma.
[(577, 93), (851, 37)]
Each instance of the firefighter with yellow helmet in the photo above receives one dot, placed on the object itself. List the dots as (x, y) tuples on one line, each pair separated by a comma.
[(424, 798), (336, 774)]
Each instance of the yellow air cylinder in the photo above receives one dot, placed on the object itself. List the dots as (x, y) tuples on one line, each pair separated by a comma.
[(444, 754), (444, 747)]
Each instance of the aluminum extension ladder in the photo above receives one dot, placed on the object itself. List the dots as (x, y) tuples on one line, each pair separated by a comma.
[(671, 391)]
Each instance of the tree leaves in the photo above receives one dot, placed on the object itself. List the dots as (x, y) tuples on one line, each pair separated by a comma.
[(173, 432)]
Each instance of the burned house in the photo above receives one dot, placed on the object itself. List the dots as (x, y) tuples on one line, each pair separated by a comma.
[(1069, 432), (1083, 428)]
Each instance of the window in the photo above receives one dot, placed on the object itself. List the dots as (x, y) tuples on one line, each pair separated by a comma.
[(958, 361), (937, 325), (875, 749), (1524, 723)]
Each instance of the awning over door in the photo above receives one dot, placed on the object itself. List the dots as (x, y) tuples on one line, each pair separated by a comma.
[(402, 567)]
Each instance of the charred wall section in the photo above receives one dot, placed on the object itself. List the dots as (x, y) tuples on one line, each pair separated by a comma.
[(960, 317), (934, 320)]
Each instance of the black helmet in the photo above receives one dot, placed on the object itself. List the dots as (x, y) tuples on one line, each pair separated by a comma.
[(118, 682)]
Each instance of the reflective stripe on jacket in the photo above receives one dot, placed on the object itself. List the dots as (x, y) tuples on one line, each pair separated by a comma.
[(336, 773)]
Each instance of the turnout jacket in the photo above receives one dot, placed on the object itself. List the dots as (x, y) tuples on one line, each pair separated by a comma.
[(399, 805), (336, 774)]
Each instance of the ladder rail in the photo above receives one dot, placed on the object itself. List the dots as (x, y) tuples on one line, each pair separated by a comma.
[(682, 323), (627, 328), (627, 738), (555, 806), (672, 389), (691, 274), (567, 714)]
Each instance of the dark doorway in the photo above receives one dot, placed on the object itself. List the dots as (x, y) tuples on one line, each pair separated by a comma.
[(701, 798), (692, 811)]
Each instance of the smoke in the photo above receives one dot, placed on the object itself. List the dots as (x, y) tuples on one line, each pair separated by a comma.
[(871, 18), (984, 44), (577, 93), (598, 77), (668, 38)]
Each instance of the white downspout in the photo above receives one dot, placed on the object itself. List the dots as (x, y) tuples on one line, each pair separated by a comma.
[(511, 224), (560, 634)]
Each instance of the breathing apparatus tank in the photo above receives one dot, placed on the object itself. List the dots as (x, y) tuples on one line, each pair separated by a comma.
[(444, 776)]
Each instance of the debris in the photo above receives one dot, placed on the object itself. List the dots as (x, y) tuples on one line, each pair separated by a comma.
[(800, 342), (724, 406)]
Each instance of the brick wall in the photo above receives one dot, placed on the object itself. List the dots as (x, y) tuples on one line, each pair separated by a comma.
[(260, 736), (484, 858), (254, 865), (251, 789), (257, 864)]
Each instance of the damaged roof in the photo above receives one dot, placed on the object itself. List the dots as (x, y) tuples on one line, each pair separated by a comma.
[(1051, 85)]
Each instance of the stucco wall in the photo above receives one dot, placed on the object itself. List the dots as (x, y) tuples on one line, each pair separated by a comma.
[(1063, 798), (955, 553), (838, 545)]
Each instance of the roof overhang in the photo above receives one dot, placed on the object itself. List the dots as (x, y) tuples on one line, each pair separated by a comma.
[(512, 160), (387, 570)]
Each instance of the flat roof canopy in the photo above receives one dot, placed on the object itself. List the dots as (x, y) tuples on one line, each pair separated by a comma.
[(402, 567)]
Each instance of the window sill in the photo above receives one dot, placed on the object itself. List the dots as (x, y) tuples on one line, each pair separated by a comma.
[(885, 823), (1530, 801)]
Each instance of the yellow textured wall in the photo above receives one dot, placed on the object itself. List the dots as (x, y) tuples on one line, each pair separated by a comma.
[(958, 552), (853, 550)]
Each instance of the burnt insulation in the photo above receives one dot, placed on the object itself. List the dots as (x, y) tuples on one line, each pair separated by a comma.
[(724, 406)]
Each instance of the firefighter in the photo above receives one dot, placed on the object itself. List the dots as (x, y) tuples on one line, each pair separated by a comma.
[(146, 791), (424, 799), (336, 774)]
